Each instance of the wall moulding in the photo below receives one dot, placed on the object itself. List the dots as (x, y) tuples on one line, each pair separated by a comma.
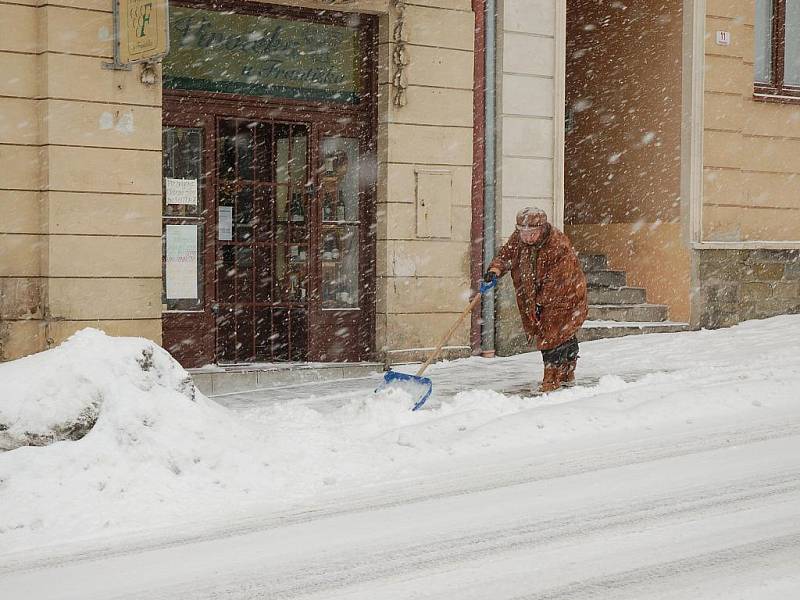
[(375, 7), (750, 245), (399, 55)]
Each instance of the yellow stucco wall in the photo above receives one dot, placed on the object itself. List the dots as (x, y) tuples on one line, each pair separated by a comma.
[(423, 282), (751, 152), (80, 187)]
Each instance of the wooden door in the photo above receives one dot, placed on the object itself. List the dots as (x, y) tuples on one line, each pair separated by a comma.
[(262, 247)]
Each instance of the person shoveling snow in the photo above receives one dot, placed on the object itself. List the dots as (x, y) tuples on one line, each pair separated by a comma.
[(551, 292)]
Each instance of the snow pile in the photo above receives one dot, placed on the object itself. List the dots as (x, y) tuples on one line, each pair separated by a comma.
[(153, 445), (152, 451), (59, 394)]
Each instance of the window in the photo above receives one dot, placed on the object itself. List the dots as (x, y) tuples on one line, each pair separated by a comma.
[(777, 48)]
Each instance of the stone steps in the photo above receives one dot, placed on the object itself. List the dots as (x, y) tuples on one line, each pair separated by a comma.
[(616, 310), (606, 278), (231, 379), (622, 295), (628, 312), (594, 262), (597, 330)]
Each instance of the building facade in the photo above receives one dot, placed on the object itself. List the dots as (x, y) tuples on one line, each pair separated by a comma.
[(316, 181), (292, 182)]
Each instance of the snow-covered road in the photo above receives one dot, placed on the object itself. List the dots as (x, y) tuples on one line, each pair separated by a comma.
[(711, 514), (674, 474)]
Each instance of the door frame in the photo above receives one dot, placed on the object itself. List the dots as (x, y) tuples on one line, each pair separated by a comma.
[(183, 108)]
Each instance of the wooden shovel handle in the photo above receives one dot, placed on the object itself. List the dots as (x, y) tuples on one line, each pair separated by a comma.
[(449, 334)]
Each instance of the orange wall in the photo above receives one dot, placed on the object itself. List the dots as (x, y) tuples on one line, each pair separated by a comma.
[(622, 160)]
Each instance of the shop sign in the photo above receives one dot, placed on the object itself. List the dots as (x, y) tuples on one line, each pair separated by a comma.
[(142, 31), (262, 56)]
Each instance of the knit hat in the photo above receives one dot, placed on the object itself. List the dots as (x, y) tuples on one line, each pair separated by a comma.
[(531, 216)]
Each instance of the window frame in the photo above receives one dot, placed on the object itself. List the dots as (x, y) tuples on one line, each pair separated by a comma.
[(777, 90)]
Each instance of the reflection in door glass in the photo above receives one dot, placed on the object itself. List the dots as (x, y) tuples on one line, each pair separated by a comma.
[(339, 247), (299, 159), (339, 179), (227, 150), (245, 148), (263, 148), (282, 133), (243, 218)]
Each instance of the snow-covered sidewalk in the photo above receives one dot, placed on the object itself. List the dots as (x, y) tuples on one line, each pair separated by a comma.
[(160, 458)]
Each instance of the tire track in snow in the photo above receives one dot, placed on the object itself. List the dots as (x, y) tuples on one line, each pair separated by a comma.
[(313, 578), (726, 560), (467, 482)]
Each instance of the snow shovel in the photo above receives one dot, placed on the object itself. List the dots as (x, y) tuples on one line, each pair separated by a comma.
[(418, 386)]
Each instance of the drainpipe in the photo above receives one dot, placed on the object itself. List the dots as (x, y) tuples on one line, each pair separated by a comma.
[(487, 310)]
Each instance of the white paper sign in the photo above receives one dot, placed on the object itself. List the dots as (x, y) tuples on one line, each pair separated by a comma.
[(225, 223), (181, 261), (181, 191)]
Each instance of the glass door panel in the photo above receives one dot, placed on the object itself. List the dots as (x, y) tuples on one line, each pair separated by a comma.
[(262, 240), (182, 233), (339, 244), (342, 318)]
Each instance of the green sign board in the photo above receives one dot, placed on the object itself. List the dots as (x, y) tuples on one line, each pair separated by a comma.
[(261, 56)]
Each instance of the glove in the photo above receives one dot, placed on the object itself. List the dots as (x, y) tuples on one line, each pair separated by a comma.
[(489, 276)]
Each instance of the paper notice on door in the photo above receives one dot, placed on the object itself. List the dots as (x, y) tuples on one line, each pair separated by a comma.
[(181, 261), (181, 191), (225, 223)]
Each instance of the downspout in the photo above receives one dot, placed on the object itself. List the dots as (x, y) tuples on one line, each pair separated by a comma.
[(487, 310), (476, 199)]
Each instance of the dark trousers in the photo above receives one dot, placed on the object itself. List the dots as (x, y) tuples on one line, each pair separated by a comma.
[(566, 352)]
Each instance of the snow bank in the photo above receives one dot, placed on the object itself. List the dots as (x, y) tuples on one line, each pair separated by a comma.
[(161, 455), (149, 444), (59, 394), (151, 451)]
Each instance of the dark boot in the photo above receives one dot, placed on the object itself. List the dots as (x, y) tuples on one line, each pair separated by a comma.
[(568, 373), (551, 380)]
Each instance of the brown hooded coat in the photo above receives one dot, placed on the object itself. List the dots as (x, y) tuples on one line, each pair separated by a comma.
[(557, 286)]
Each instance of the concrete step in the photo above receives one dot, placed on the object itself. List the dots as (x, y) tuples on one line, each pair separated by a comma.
[(594, 262), (628, 312), (623, 295), (596, 330), (230, 379), (615, 279)]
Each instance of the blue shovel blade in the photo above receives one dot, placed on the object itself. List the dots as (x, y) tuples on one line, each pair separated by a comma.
[(419, 388)]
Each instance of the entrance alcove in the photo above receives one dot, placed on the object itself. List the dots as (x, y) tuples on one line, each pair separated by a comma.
[(622, 158), (269, 192)]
